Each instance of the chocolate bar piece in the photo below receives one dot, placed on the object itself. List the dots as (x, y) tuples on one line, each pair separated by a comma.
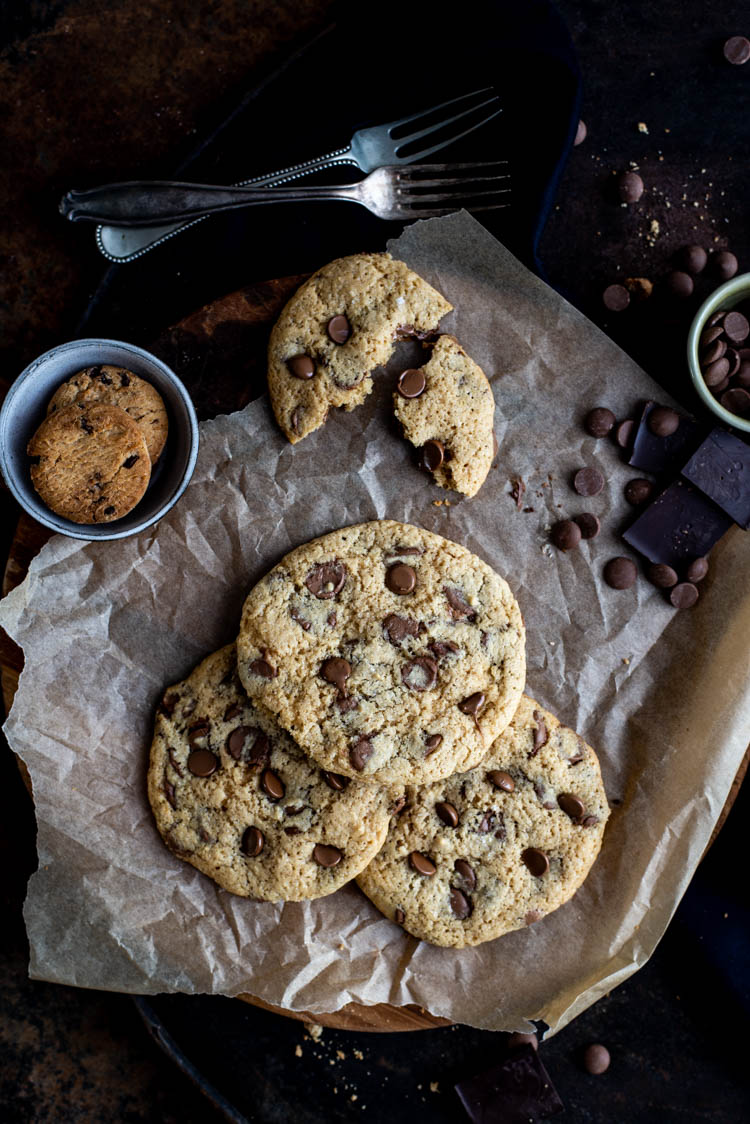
[(518, 1091), (720, 467), (681, 524), (658, 455)]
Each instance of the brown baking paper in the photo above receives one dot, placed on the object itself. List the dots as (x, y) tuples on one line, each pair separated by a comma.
[(663, 697)]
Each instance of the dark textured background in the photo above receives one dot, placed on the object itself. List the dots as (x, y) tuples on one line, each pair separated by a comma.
[(90, 92)]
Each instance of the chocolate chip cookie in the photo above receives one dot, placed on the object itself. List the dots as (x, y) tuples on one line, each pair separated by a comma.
[(386, 651), (115, 386), (447, 410), (498, 847), (90, 465), (336, 329), (235, 797)]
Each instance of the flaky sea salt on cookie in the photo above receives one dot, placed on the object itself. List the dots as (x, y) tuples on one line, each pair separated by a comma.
[(498, 847), (386, 651), (337, 328)]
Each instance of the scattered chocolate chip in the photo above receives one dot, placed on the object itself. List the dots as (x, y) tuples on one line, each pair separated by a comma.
[(596, 1059), (581, 132), (737, 401), (566, 534), (272, 785), (502, 780), (401, 578), (339, 329), (662, 421), (411, 383), (252, 842), (589, 524), (662, 576), (447, 813), (680, 284), (588, 481), (541, 734), (599, 421), (326, 580), (433, 455), (336, 671), (398, 628), (130, 461), (571, 805), (335, 781), (736, 327), (419, 674), (624, 433), (360, 753), (629, 187), (473, 704), (637, 491), (263, 667), (724, 265), (422, 864), (693, 259), (458, 605), (535, 861), (327, 856), (202, 763), (517, 1040), (737, 50), (620, 573), (684, 595), (432, 742), (465, 871), (399, 916), (460, 904), (616, 298), (697, 570), (301, 366)]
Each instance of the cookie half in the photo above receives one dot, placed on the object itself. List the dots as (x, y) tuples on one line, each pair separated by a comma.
[(90, 465), (336, 329), (116, 386), (446, 408), (386, 651), (234, 796), (498, 847)]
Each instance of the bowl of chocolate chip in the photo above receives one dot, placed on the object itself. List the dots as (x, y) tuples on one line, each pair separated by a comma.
[(719, 352)]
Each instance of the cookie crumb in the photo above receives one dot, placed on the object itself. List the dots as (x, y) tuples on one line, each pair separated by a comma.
[(434, 1087), (298, 1051), (359, 1055), (340, 1054), (315, 1031), (642, 127)]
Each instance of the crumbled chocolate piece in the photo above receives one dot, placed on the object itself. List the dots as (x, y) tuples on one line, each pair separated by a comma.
[(518, 1091)]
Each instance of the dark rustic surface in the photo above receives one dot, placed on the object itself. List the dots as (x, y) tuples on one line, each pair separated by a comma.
[(128, 88)]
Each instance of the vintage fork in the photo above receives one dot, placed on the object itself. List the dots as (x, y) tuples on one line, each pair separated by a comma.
[(368, 149), (398, 193)]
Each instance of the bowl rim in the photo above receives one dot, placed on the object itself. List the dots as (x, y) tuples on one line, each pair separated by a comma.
[(735, 287), (80, 531)]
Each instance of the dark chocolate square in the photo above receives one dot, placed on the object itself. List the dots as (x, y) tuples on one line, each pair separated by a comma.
[(659, 455), (679, 525), (518, 1091), (720, 467)]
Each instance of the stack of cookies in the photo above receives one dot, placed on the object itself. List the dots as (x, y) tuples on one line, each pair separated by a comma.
[(370, 723)]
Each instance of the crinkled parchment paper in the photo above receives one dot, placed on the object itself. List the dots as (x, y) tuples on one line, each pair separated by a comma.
[(664, 697)]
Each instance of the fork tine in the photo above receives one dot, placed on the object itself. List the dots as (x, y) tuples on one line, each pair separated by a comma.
[(437, 212), (410, 186), (411, 170), (434, 109), (445, 197), (443, 123), (444, 143)]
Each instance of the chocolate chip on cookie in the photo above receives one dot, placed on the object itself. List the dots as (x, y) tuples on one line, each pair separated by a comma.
[(460, 904), (401, 578), (571, 805), (501, 780), (272, 785), (253, 842), (326, 580), (432, 742), (202, 763), (397, 628), (327, 856), (360, 753), (419, 674), (337, 671), (411, 383), (536, 861), (433, 455), (458, 606), (301, 366), (339, 328), (422, 864)]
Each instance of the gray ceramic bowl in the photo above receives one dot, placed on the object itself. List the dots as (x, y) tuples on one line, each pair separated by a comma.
[(25, 408), (727, 296)]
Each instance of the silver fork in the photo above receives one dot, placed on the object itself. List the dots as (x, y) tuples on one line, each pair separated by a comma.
[(368, 149), (398, 193)]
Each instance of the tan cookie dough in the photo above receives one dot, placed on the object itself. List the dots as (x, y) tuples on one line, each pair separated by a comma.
[(115, 386), (337, 328), (386, 651), (90, 465), (451, 419), (235, 797), (499, 847)]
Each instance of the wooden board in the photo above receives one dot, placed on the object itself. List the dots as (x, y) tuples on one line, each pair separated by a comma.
[(219, 352)]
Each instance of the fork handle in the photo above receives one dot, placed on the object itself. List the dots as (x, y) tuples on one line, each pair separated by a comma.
[(154, 202)]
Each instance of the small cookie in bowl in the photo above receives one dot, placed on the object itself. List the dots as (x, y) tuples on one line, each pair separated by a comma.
[(446, 408)]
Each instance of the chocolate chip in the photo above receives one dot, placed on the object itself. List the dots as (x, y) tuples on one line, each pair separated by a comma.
[(294, 420), (301, 366), (588, 482), (398, 628), (174, 762), (202, 763), (566, 534), (272, 785), (422, 864), (232, 711), (715, 318), (400, 551), (662, 421), (124, 379), (236, 740), (536, 861), (637, 491), (292, 830), (599, 421), (331, 619), (591, 821), (326, 580), (596, 1059), (684, 595), (624, 433), (399, 916), (680, 284), (620, 573), (168, 703), (711, 336), (35, 460), (397, 806), (629, 187), (303, 622), (715, 372), (130, 461), (401, 578), (253, 841), (441, 648), (97, 373), (169, 792), (502, 780), (360, 753), (466, 872), (616, 298), (263, 667), (335, 781), (419, 674), (327, 856), (339, 329), (336, 671), (198, 733), (733, 359), (411, 383), (571, 805), (693, 259), (458, 605), (697, 570), (447, 813), (589, 525), (260, 754), (86, 426), (108, 510), (724, 264), (432, 742), (541, 734), (714, 350), (661, 575), (473, 704), (460, 904), (737, 50), (737, 401), (743, 373), (433, 455)]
